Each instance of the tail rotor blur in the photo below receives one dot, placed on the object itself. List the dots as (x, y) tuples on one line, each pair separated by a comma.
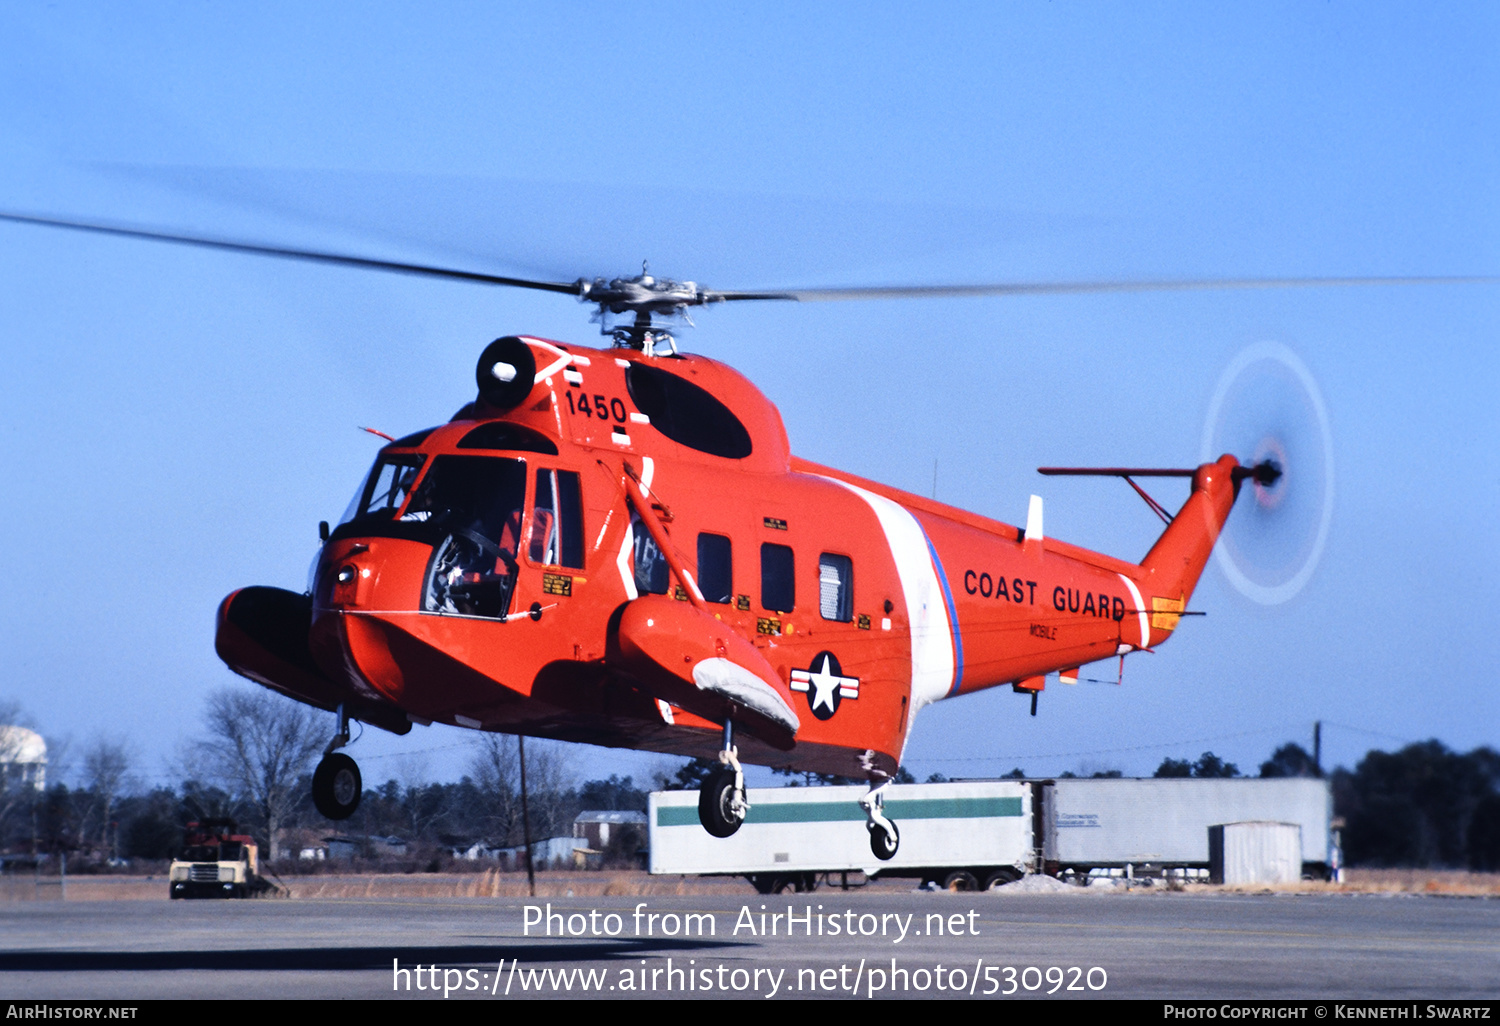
[(1268, 411)]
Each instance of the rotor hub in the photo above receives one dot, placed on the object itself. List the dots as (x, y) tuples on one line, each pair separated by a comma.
[(641, 298)]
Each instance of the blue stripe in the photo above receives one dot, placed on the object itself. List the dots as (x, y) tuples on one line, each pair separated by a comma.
[(958, 641)]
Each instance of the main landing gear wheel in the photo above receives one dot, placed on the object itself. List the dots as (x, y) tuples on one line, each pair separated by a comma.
[(884, 842), (722, 802), (719, 809), (337, 787), (884, 837)]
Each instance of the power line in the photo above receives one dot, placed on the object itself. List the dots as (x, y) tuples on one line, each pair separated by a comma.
[(1372, 733), (1109, 751)]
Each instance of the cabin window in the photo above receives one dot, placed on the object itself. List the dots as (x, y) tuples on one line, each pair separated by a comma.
[(715, 568), (778, 583), (556, 520), (836, 587), (685, 413), (651, 568)]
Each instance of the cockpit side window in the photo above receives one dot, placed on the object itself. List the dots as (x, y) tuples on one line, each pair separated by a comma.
[(557, 523)]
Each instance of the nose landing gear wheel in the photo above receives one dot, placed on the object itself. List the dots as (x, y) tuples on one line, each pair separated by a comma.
[(883, 843), (337, 787), (718, 807)]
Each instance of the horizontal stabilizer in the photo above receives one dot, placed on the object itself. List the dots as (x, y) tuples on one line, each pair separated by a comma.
[(1115, 472), (1266, 472)]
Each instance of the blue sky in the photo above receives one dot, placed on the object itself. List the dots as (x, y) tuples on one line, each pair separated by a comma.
[(176, 422)]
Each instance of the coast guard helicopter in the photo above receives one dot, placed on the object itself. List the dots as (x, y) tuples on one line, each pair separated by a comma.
[(617, 546)]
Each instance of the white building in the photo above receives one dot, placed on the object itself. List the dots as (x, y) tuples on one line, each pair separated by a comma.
[(552, 853)]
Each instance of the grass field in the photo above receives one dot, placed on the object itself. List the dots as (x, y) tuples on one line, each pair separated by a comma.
[(495, 884)]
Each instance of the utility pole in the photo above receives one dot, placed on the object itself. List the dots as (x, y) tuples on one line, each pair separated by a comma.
[(1318, 747), (526, 819)]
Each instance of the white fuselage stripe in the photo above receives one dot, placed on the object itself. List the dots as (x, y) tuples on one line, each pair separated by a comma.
[(931, 634), (1140, 606)]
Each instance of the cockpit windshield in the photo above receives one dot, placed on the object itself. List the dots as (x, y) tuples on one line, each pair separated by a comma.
[(386, 487), (468, 508)]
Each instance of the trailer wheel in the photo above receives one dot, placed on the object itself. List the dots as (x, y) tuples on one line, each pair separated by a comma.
[(884, 844), (960, 880), (716, 804), (1000, 877)]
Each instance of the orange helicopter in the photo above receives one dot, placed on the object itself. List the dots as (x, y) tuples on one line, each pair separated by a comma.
[(616, 546)]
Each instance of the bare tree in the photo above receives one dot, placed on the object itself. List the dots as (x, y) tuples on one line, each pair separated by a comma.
[(549, 784), (261, 744), (495, 772), (105, 765), (425, 802)]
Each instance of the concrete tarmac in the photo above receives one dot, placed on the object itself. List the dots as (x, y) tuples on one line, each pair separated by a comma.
[(837, 945)]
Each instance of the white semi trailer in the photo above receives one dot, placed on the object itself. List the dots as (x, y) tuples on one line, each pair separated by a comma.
[(964, 835), (974, 834), (1163, 823)]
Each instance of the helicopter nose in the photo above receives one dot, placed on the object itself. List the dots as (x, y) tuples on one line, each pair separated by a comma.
[(359, 581), (368, 573)]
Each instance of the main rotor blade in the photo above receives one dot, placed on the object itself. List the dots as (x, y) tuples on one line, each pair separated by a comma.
[(1078, 287), (337, 259), (701, 296)]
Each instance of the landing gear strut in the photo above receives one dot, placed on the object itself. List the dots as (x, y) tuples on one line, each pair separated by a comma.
[(721, 799), (884, 837), (336, 787)]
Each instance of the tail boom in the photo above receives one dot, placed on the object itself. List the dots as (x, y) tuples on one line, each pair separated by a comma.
[(1027, 607), (1171, 569)]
